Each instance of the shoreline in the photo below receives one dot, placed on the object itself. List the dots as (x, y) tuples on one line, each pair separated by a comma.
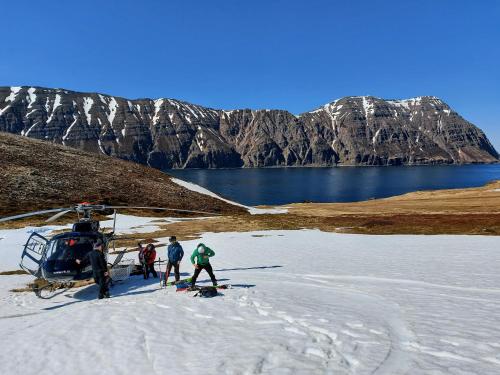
[(335, 166), (344, 185), (445, 211)]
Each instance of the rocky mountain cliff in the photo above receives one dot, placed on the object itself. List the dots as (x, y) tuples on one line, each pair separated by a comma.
[(168, 133)]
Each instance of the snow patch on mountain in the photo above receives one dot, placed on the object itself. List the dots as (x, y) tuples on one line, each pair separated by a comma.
[(68, 131), (14, 90), (202, 190), (30, 129), (158, 105), (11, 97), (112, 106), (57, 103), (87, 106), (31, 97), (374, 139)]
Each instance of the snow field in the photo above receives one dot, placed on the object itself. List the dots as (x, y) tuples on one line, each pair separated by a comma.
[(302, 302)]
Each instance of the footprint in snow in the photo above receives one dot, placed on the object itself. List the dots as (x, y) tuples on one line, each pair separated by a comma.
[(349, 333), (315, 352), (237, 318), (355, 325), (262, 312), (296, 331), (264, 322), (203, 316)]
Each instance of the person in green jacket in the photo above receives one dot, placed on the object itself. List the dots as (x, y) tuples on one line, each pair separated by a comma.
[(201, 261)]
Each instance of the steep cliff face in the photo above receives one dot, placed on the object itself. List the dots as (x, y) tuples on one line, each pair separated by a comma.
[(167, 133), (372, 131)]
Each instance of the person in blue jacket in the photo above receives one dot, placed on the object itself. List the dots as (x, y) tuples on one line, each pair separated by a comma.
[(175, 254)]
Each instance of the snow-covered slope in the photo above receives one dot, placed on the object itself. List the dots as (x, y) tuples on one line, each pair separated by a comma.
[(302, 302), (252, 210)]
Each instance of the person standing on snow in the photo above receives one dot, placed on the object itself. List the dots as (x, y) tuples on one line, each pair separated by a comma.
[(149, 256), (99, 268), (175, 254), (200, 260), (142, 259)]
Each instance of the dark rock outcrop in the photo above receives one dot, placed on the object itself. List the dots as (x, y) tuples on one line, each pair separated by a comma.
[(167, 133)]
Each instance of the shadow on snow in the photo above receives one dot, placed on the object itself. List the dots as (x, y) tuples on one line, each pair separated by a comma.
[(135, 286), (246, 268)]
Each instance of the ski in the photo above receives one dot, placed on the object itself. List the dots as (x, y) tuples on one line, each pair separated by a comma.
[(170, 283)]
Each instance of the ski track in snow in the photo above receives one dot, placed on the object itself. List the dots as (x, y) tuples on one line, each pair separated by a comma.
[(302, 302)]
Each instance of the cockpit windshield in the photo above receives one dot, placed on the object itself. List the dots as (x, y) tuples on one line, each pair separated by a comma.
[(70, 248)]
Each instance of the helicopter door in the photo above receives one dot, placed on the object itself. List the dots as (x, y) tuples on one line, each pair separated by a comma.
[(33, 254)]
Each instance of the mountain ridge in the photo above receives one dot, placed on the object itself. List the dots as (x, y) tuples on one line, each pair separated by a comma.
[(169, 133), (38, 175)]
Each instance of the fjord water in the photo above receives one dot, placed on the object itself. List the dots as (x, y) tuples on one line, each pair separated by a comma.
[(272, 186)]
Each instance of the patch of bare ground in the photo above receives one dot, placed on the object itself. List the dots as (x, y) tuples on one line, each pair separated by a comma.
[(41, 283), (15, 272), (457, 211), (481, 200)]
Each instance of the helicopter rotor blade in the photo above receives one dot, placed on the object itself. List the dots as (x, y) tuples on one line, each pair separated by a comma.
[(57, 216), (34, 213), (62, 211), (164, 209)]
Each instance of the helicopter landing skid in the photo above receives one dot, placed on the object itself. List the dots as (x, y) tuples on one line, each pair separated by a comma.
[(51, 290)]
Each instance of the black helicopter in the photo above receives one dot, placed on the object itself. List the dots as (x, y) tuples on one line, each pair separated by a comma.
[(54, 259)]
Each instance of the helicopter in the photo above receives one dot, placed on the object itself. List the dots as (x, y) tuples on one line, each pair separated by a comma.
[(54, 259)]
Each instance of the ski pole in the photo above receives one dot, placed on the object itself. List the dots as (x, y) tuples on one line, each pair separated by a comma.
[(167, 275), (159, 270)]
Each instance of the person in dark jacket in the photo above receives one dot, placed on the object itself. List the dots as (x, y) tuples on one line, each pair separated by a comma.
[(99, 268), (140, 255), (175, 254)]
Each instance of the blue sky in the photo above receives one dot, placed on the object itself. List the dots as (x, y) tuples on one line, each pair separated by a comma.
[(293, 55)]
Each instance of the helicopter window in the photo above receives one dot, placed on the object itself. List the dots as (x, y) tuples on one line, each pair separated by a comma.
[(70, 248)]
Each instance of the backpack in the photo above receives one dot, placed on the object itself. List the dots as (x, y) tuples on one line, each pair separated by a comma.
[(207, 292)]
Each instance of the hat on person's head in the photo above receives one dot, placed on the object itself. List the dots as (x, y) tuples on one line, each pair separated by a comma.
[(172, 239), (97, 245)]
